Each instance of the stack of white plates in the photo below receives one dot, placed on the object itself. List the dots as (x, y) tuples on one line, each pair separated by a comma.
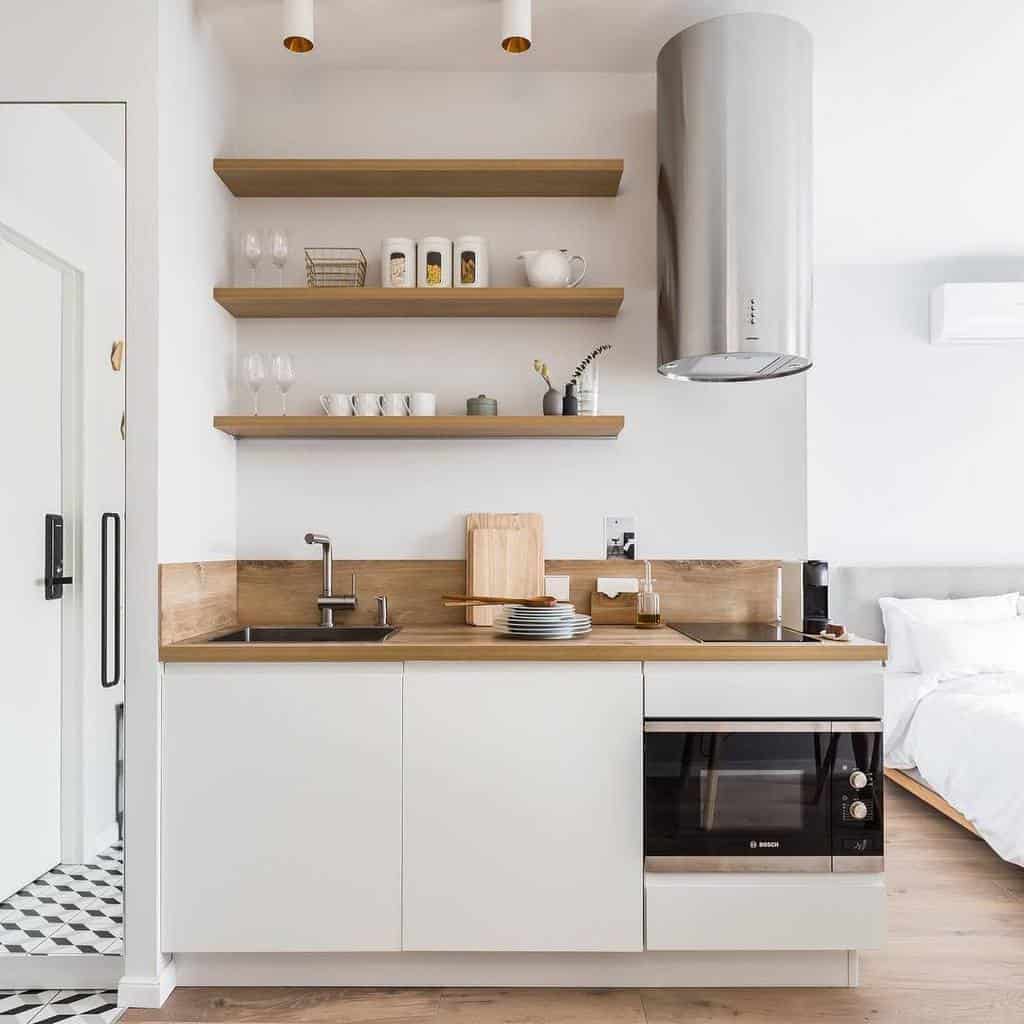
[(559, 622)]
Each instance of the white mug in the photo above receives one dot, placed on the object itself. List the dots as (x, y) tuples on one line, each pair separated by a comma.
[(337, 404), (422, 403), (395, 403), (366, 403)]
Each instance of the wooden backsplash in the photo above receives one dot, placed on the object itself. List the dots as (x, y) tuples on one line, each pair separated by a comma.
[(284, 592), (203, 597), (197, 597)]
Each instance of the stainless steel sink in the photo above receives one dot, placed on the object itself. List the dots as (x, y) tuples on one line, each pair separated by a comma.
[(305, 635)]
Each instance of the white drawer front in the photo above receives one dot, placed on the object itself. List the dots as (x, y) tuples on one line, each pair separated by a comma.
[(761, 912), (762, 689)]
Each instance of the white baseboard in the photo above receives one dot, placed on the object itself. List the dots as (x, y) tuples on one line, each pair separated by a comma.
[(100, 842), (148, 993), (85, 972), (817, 968)]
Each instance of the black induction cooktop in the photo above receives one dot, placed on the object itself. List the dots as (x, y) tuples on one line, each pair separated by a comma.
[(740, 633)]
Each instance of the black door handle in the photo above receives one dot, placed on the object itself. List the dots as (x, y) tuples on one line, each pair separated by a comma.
[(54, 579), (109, 517)]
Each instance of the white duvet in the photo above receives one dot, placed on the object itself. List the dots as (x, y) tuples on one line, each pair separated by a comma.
[(966, 738)]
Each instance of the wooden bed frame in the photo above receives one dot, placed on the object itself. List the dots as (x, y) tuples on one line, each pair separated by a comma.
[(922, 792)]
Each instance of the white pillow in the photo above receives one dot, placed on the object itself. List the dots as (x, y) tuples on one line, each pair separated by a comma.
[(902, 655), (948, 650)]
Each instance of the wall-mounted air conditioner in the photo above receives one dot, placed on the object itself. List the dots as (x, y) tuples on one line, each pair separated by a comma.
[(978, 314)]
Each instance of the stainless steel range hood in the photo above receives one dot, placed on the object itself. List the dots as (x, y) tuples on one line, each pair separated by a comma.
[(734, 200)]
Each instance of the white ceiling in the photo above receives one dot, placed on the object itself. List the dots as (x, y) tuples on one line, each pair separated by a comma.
[(918, 147), (601, 35)]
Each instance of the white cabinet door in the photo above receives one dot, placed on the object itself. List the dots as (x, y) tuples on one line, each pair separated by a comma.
[(282, 807), (523, 807)]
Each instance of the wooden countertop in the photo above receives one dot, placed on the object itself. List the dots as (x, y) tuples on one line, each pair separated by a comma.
[(474, 643)]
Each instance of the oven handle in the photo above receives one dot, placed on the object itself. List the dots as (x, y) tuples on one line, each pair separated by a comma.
[(740, 726)]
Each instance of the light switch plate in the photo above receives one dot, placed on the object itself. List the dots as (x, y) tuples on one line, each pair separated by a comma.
[(620, 537)]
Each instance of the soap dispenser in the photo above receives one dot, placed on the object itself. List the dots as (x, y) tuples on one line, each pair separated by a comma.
[(648, 603)]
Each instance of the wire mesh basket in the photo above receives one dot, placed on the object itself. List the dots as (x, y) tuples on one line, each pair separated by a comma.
[(335, 268)]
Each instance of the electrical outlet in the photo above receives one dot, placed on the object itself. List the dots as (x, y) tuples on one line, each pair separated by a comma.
[(620, 537)]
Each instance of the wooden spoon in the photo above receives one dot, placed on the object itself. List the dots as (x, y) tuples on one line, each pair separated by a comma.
[(469, 600)]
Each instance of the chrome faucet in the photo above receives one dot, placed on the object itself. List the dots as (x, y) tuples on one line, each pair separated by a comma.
[(328, 601)]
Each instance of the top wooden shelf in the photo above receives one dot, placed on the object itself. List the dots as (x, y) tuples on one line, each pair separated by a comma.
[(323, 178)]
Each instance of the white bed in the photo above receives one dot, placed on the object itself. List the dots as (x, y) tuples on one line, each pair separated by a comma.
[(962, 738)]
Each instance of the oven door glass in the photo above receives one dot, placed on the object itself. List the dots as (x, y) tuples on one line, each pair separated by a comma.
[(737, 789)]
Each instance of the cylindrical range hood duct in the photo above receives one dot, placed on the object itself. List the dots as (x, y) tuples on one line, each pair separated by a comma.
[(734, 200)]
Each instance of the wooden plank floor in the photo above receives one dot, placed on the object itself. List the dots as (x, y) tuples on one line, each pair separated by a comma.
[(955, 954)]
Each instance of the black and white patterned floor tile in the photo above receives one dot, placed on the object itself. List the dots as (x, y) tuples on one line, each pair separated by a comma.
[(46, 1006), (20, 1006), (72, 910)]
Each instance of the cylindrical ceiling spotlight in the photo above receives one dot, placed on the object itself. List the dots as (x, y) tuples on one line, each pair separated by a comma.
[(516, 25), (299, 27)]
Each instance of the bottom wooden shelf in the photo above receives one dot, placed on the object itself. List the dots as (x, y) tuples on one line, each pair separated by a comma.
[(420, 426)]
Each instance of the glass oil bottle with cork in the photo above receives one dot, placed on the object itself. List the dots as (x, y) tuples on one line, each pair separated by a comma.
[(648, 603)]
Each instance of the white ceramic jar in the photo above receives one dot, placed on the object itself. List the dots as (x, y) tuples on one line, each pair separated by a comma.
[(434, 262), (398, 263), (471, 269)]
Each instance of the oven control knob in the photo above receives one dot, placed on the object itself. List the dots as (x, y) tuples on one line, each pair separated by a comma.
[(858, 810), (858, 780)]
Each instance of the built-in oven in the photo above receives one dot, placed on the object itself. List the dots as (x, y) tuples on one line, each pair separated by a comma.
[(763, 795)]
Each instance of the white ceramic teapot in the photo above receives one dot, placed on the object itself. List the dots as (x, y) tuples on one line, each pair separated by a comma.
[(551, 268)]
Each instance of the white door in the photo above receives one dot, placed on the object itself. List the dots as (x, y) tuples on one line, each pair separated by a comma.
[(523, 807), (30, 683)]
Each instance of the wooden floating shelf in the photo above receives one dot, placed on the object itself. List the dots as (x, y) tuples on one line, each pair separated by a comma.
[(420, 302), (420, 426), (495, 178)]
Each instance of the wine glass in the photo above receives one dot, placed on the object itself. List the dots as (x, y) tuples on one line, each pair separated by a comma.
[(255, 375), (283, 368), (279, 253), (252, 250)]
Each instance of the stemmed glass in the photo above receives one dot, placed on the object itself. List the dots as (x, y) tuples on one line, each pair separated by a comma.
[(279, 253), (255, 375), (252, 250), (283, 368)]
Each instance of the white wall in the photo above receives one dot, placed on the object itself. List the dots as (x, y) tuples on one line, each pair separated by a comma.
[(197, 337), (913, 449), (709, 471)]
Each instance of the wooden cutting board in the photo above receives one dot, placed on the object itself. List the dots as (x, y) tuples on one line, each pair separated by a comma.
[(503, 550)]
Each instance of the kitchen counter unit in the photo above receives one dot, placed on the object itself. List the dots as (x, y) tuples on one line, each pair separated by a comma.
[(482, 822), (473, 643)]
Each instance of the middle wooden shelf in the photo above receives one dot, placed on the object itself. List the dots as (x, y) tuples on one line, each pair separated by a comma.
[(420, 426), (247, 303)]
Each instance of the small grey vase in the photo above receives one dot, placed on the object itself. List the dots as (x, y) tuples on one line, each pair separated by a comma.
[(552, 403)]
